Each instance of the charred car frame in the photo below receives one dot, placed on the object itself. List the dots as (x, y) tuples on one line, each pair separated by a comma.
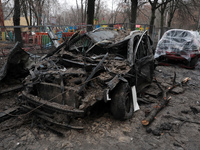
[(101, 65)]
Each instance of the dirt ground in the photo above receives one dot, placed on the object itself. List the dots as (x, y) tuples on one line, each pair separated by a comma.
[(176, 127)]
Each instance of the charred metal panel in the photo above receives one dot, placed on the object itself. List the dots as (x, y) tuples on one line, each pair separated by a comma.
[(68, 110), (17, 63)]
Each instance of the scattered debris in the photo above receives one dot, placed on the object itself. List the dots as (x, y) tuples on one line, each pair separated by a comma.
[(17, 87), (153, 91), (195, 109), (9, 113), (146, 100), (158, 131), (164, 101), (182, 119), (177, 90)]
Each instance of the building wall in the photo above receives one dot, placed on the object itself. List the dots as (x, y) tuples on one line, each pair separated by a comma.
[(22, 23)]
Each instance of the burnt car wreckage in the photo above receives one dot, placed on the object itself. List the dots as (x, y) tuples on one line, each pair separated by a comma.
[(101, 65)]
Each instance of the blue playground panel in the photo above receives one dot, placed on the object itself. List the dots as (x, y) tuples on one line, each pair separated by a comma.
[(71, 27), (59, 35), (98, 26), (66, 30)]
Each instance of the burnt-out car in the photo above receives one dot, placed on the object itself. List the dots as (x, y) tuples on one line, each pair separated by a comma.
[(101, 65), (180, 46)]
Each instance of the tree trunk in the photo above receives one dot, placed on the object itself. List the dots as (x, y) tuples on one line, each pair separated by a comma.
[(30, 16), (97, 10), (77, 14), (16, 20), (82, 11), (134, 4), (172, 8), (162, 24), (25, 11), (1, 18), (162, 11), (90, 14), (85, 12), (153, 17), (169, 23), (33, 10), (115, 18)]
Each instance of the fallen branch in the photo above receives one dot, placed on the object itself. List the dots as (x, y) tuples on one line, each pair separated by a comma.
[(164, 100), (155, 111)]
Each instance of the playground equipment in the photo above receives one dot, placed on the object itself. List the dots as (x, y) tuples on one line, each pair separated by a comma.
[(56, 35), (42, 39), (53, 37)]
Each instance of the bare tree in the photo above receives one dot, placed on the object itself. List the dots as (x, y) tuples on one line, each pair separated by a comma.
[(25, 6), (155, 4), (97, 10), (90, 13), (36, 7), (189, 13), (114, 14), (173, 6), (85, 11), (82, 12), (16, 20), (134, 6), (1, 16), (78, 15), (162, 10)]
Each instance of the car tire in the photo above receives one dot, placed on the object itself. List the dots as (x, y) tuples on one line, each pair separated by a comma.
[(193, 62), (121, 102)]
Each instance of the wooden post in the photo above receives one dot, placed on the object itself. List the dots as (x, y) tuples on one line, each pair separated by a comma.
[(22, 36), (33, 39), (40, 41), (25, 38)]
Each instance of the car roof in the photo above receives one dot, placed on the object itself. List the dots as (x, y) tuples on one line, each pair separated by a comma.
[(180, 33)]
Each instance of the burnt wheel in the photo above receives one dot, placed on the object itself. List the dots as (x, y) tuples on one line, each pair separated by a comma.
[(121, 102), (193, 62)]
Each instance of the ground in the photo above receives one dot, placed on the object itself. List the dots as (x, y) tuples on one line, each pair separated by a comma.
[(180, 118)]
